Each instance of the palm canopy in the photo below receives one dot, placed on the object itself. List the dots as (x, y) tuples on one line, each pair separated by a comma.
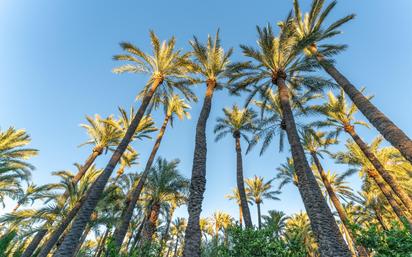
[(144, 129), (167, 65), (165, 182), (237, 122), (272, 123), (236, 196), (338, 113), (338, 184), (276, 57), (211, 62), (312, 23), (276, 220), (316, 142), (286, 173), (176, 106), (258, 189)]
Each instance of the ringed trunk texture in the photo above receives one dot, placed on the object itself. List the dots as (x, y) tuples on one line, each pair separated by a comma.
[(94, 193), (150, 227), (34, 243), (198, 181), (325, 229), (397, 189), (259, 215), (54, 237), (130, 203), (383, 124), (339, 207), (241, 185)]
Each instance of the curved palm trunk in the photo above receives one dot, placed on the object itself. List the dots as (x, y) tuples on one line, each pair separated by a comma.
[(83, 238), (198, 180), (325, 229), (34, 243), (259, 215), (241, 185), (94, 193), (399, 191), (339, 207), (130, 203), (150, 227), (383, 124)]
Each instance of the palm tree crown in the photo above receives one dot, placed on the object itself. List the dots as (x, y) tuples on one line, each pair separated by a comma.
[(236, 122)]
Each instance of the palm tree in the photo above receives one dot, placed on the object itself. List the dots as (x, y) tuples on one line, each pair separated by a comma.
[(279, 63), (238, 122), (356, 157), (164, 183), (276, 221), (13, 165), (259, 190), (177, 231), (311, 24), (236, 196), (221, 221), (211, 64), (298, 226), (165, 67), (205, 228), (33, 193), (341, 116), (174, 105), (287, 173)]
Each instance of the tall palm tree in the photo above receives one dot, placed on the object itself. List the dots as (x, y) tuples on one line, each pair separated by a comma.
[(211, 65), (221, 221), (164, 183), (236, 196), (312, 24), (177, 231), (287, 173), (174, 105), (165, 67), (298, 226), (238, 122), (258, 191), (279, 63), (356, 157), (341, 116)]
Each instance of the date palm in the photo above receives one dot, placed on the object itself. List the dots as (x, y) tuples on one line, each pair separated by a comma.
[(34, 193), (276, 221), (259, 190), (221, 221), (211, 65), (177, 231), (313, 23), (279, 63), (165, 67), (287, 173), (238, 122), (236, 196), (174, 106), (340, 115), (298, 227)]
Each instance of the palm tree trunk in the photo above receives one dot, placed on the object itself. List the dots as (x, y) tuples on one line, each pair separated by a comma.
[(325, 229), (138, 233), (150, 227), (102, 243), (34, 243), (198, 180), (241, 184), (399, 191), (16, 207), (339, 207), (383, 124), (89, 162), (83, 238), (130, 203), (176, 245), (94, 193), (259, 215), (165, 235), (380, 218), (240, 216)]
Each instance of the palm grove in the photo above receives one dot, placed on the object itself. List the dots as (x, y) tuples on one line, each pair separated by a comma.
[(111, 211)]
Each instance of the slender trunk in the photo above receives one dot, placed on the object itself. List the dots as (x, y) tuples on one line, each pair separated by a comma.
[(240, 216), (165, 236), (198, 180), (383, 124), (130, 203), (259, 215), (325, 229), (82, 239), (34, 243), (380, 218), (138, 233), (241, 184), (176, 245), (397, 189), (150, 227), (69, 244), (16, 207), (169, 248), (54, 237), (89, 161), (339, 208), (102, 243)]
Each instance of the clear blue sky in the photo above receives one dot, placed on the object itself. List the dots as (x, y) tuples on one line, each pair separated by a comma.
[(55, 67)]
